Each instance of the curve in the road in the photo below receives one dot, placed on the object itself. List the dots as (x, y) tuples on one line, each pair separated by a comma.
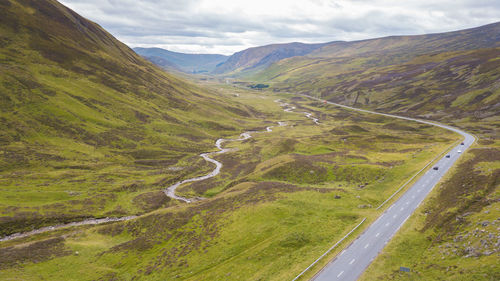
[(353, 260)]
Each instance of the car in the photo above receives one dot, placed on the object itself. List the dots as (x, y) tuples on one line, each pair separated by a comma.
[(448, 156), (460, 151), (462, 144), (436, 168)]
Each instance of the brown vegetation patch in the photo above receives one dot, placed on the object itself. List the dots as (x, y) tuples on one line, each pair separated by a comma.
[(34, 252), (399, 127), (54, 214), (150, 201), (302, 170)]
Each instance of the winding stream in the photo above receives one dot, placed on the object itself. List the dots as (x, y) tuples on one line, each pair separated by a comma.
[(169, 191)]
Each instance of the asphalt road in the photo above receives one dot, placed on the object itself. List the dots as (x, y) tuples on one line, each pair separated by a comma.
[(351, 262)]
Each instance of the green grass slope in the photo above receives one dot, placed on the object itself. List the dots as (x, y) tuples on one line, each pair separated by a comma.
[(89, 128)]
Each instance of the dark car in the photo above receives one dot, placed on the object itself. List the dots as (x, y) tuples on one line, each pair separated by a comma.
[(448, 156), (435, 168), (462, 143)]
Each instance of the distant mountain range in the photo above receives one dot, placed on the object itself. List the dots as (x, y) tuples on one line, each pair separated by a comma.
[(190, 63), (382, 51)]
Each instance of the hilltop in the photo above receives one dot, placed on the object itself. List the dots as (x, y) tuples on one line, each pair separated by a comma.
[(257, 58)]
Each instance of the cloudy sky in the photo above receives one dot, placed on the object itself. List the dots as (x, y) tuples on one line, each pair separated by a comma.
[(228, 26)]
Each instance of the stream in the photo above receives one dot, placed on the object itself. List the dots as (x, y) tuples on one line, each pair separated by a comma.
[(170, 191)]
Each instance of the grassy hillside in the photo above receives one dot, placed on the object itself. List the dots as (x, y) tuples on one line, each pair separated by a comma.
[(448, 85), (88, 128), (439, 76), (190, 63)]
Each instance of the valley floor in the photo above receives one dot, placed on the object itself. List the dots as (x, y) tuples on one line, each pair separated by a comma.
[(280, 201)]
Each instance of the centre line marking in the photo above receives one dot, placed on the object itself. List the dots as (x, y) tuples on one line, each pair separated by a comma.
[(376, 235), (387, 224), (413, 196), (395, 216), (340, 274), (352, 261), (407, 202), (402, 208), (366, 246)]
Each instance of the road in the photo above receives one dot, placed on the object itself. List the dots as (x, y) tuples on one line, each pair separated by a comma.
[(352, 261)]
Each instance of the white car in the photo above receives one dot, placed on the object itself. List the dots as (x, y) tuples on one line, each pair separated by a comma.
[(460, 151)]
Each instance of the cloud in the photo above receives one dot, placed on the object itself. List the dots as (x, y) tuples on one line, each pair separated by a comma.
[(227, 26)]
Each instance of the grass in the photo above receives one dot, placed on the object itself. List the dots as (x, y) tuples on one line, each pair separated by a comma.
[(446, 239), (258, 222)]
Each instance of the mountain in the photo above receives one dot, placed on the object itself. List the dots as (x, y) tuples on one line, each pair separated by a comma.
[(256, 58), (447, 75), (190, 63), (486, 36), (88, 128)]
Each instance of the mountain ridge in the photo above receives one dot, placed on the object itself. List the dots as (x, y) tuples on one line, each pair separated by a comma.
[(255, 58)]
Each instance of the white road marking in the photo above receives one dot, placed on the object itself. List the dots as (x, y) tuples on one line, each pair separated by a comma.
[(419, 190), (407, 202), (376, 235), (387, 224), (352, 261), (340, 274), (366, 246), (413, 196), (395, 216), (402, 208), (342, 253)]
